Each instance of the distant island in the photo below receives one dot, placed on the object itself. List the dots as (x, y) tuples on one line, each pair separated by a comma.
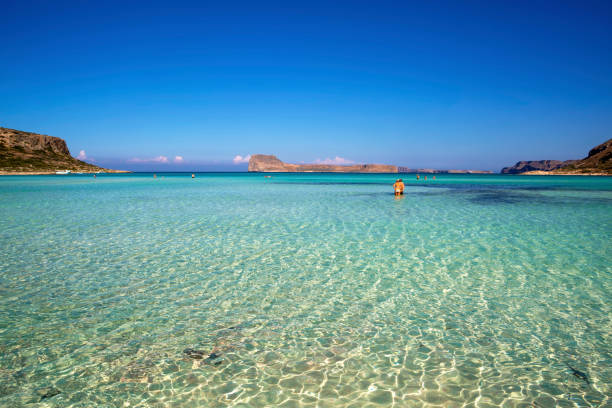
[(597, 163), (32, 153), (271, 164), (435, 171)]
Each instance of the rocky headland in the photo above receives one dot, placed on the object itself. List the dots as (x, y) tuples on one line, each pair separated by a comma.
[(31, 153), (268, 163), (535, 165), (597, 163)]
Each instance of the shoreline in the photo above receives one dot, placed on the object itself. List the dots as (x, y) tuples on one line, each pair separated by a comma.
[(529, 173), (548, 173), (48, 173)]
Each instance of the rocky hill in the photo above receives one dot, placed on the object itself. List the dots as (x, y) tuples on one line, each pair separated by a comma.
[(31, 153), (599, 161), (270, 163), (536, 165)]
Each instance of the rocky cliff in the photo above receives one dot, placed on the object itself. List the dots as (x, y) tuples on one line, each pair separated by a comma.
[(270, 163), (26, 152), (535, 165), (18, 140)]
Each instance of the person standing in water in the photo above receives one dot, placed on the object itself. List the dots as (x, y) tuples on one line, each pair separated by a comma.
[(398, 187)]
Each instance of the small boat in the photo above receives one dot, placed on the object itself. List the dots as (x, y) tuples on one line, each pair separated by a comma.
[(62, 172)]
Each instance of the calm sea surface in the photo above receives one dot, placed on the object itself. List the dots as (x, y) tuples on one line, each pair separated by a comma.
[(305, 290)]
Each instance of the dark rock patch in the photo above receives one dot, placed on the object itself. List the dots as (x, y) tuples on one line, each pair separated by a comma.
[(47, 392), (194, 354), (579, 374)]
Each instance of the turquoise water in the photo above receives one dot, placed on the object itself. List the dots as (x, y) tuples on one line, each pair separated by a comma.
[(305, 290)]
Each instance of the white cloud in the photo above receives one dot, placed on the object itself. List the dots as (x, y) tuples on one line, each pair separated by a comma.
[(239, 159), (83, 156), (178, 159), (335, 160), (158, 159)]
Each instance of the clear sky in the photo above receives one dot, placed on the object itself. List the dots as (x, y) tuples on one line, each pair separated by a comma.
[(442, 84)]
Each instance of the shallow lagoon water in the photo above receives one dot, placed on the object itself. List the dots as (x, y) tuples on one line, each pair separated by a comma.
[(305, 290)]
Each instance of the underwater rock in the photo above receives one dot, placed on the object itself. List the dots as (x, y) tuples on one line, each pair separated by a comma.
[(194, 354), (213, 358), (47, 392), (579, 374)]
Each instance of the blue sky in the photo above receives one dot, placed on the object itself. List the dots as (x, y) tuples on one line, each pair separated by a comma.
[(421, 84)]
